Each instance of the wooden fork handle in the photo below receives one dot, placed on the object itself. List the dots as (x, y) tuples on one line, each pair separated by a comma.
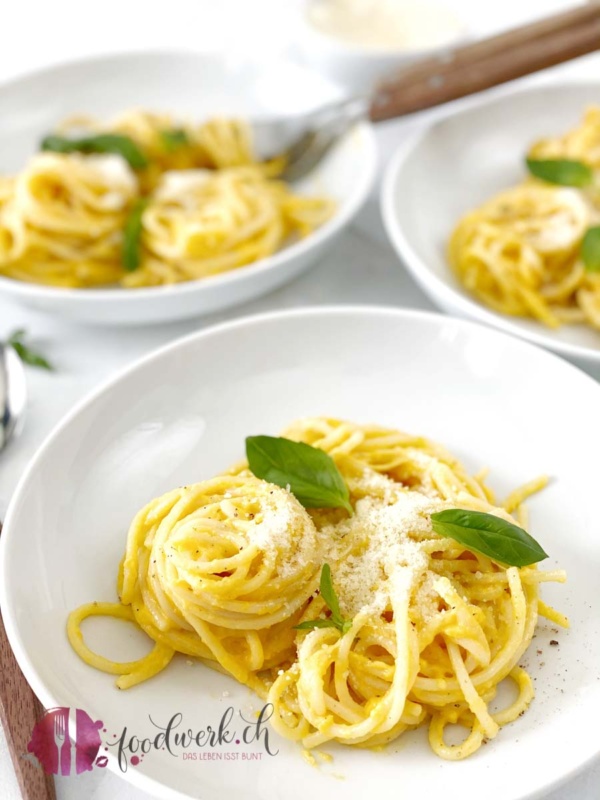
[(19, 711), (490, 62)]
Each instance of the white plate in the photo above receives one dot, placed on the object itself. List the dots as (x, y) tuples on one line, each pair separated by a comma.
[(181, 415), (455, 165), (199, 85)]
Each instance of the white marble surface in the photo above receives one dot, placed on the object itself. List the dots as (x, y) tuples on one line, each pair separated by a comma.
[(362, 269)]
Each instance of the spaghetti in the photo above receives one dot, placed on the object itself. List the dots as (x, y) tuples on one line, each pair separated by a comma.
[(519, 253), (209, 206), (226, 569)]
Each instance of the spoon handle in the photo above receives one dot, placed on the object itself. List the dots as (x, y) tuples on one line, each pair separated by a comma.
[(490, 62), (19, 711)]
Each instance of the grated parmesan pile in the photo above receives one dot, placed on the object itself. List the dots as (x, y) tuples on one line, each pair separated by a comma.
[(366, 552), (284, 527), (383, 537)]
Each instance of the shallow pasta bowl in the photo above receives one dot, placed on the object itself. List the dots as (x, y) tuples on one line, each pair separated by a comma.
[(65, 532), (197, 86), (457, 164)]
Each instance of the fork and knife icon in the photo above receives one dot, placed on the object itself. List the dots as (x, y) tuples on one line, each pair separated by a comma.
[(62, 740)]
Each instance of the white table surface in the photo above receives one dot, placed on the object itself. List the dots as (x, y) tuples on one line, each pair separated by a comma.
[(361, 269)]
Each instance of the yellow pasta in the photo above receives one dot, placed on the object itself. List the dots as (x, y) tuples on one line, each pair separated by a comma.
[(209, 206), (203, 223), (224, 571), (61, 219), (519, 253)]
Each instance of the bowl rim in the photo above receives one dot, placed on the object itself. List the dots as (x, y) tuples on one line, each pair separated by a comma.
[(437, 287), (297, 249), (154, 785)]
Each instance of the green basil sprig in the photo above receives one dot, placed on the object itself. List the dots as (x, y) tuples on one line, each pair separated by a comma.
[(132, 237), (333, 604), (101, 143), (590, 249), (566, 172), (173, 139), (25, 353), (561, 171), (310, 473), (489, 535)]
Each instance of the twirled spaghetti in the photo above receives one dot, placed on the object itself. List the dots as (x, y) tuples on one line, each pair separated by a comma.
[(225, 569), (520, 252), (209, 206)]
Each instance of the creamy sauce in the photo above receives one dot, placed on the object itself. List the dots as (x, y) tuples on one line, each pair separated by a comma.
[(386, 24), (175, 183)]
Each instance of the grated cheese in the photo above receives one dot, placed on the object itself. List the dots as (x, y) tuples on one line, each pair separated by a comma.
[(384, 539), (285, 529)]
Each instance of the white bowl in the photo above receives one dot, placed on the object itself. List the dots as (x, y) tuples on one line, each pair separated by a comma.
[(181, 415), (193, 84), (358, 68), (455, 165)]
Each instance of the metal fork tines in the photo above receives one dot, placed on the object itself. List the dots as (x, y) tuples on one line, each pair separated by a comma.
[(304, 141)]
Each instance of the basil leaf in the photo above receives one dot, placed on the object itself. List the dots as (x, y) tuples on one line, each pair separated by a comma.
[(333, 604), (561, 171), (173, 139), (309, 624), (489, 535), (25, 353), (102, 143), (590, 250), (17, 336), (132, 235), (310, 473), (328, 594)]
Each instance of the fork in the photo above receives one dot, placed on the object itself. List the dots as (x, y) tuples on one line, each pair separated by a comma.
[(63, 742), (304, 140), (12, 393)]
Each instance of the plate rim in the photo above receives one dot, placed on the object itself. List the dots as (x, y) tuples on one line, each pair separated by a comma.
[(154, 786), (419, 269), (297, 249)]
